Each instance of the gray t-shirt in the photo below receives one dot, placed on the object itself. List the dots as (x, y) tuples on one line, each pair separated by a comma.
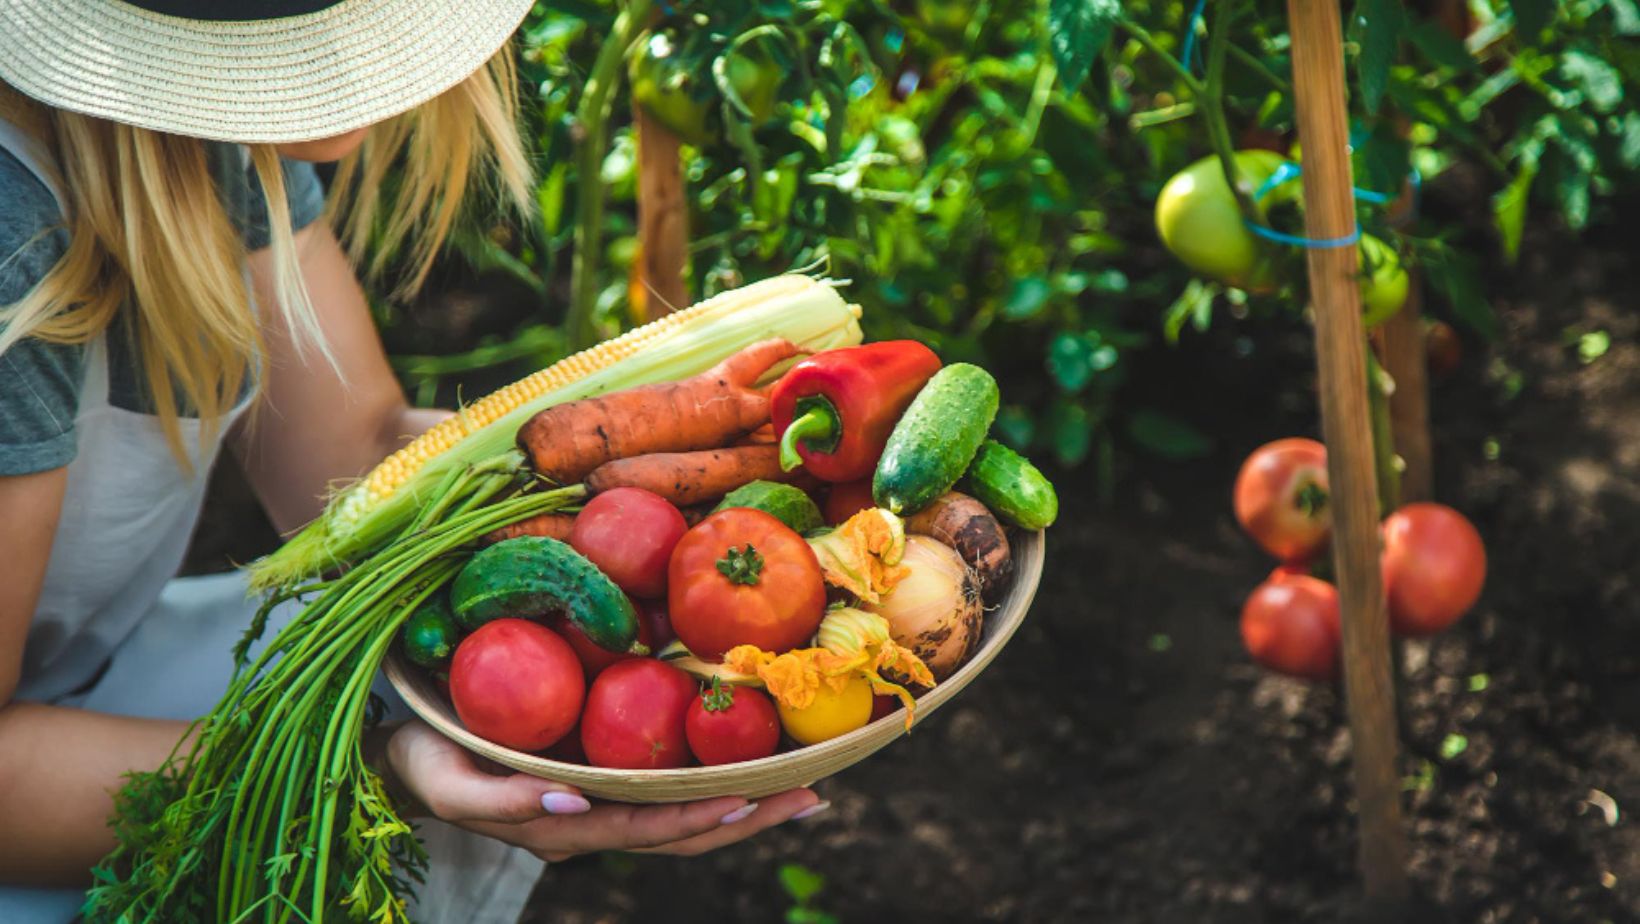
[(39, 381)]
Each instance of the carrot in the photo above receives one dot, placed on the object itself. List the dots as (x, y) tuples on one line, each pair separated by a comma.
[(686, 478), (964, 524), (762, 436), (566, 442), (550, 525)]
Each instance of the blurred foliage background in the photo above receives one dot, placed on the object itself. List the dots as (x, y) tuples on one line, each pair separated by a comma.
[(984, 173)]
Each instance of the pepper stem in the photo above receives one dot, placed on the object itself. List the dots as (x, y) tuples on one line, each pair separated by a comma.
[(816, 425)]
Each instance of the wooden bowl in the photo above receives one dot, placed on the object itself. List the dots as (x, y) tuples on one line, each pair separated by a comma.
[(755, 778)]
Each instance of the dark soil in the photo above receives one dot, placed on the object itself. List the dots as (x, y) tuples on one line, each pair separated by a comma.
[(1123, 761)]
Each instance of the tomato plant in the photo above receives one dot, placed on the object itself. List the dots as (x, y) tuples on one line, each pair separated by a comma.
[(728, 724), (634, 717), (517, 683), (1434, 566), (1199, 220), (1291, 624), (629, 534), (1281, 498), (742, 577)]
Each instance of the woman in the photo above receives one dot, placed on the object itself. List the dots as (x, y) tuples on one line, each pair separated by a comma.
[(156, 187)]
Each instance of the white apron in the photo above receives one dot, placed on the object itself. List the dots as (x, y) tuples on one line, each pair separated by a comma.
[(115, 632)]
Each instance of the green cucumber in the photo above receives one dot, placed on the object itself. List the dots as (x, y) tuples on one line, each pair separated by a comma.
[(430, 635), (784, 502), (532, 575), (935, 440), (1012, 487)]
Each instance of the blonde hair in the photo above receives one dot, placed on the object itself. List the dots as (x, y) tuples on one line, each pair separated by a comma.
[(146, 228)]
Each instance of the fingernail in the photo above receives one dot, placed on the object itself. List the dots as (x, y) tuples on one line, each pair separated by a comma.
[(740, 814), (564, 803), (811, 811)]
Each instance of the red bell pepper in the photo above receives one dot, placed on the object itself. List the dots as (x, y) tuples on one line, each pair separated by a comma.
[(834, 411)]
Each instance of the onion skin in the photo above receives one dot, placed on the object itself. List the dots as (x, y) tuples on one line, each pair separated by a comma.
[(965, 524), (917, 612)]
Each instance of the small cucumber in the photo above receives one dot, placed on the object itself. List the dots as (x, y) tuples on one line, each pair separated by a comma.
[(430, 635), (1012, 487), (533, 575), (784, 502), (935, 440)]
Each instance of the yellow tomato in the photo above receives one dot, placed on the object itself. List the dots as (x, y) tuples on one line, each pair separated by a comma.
[(833, 712)]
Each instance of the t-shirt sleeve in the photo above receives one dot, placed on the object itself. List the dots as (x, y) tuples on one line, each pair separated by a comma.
[(304, 192), (39, 381)]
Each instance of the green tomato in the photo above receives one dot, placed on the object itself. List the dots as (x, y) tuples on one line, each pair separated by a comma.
[(668, 92), (756, 79), (1384, 281), (1200, 223)]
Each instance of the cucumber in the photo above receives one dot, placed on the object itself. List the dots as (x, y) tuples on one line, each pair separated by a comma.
[(784, 502), (1012, 487), (935, 440), (430, 635), (533, 575)]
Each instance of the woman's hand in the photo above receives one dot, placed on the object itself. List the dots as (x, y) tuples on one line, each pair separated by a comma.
[(554, 822)]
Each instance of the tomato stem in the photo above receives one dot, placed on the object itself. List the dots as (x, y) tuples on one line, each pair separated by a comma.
[(719, 698), (741, 567)]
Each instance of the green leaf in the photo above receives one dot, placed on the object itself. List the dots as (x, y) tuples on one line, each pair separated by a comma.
[(1079, 30), (800, 882), (1167, 436), (1440, 47), (1601, 84), (1509, 209), (1593, 345), (1381, 23), (1026, 298), (1625, 17), (1532, 17), (1572, 194), (1015, 427), (1074, 359), (1629, 152), (1453, 745), (1070, 432), (1386, 159), (1194, 305), (1456, 279)]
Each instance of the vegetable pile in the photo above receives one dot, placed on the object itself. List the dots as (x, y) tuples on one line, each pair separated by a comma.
[(672, 571), (1433, 563)]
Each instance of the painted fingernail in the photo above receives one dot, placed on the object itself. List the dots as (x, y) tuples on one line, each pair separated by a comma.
[(740, 814), (811, 811), (564, 803)]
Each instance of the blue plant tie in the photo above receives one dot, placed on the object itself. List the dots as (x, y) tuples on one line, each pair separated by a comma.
[(1189, 47), (1286, 173)]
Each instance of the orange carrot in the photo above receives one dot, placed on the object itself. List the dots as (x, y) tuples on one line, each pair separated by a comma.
[(686, 478), (566, 442), (551, 525), (762, 436)]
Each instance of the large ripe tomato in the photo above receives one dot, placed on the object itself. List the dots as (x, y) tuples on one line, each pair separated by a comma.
[(846, 499), (1290, 624), (594, 658), (729, 724), (634, 719), (517, 683), (1384, 281), (629, 534), (742, 577), (1281, 498), (833, 712), (1434, 567), (1200, 222)]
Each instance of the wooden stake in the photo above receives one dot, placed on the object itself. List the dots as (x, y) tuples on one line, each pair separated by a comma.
[(663, 222), (1318, 81)]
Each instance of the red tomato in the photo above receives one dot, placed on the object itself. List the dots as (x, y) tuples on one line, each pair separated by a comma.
[(883, 705), (846, 499), (1290, 624), (654, 619), (593, 658), (1443, 349), (629, 534), (742, 577), (517, 683), (729, 724), (1281, 498), (635, 716), (1434, 567)]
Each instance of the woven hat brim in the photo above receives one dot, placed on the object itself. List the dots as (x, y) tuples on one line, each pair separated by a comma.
[(264, 81)]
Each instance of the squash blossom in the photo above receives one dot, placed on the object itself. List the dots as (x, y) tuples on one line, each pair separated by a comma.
[(863, 555), (851, 641)]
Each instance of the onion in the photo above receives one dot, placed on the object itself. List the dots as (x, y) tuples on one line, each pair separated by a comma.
[(935, 610)]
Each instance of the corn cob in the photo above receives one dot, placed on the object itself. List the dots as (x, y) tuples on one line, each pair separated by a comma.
[(377, 508)]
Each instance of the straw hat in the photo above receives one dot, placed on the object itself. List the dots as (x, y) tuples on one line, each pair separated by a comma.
[(264, 71)]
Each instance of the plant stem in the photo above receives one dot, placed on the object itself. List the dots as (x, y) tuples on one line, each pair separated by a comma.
[(1384, 459), (1256, 66), (1142, 35), (1218, 126), (592, 120)]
